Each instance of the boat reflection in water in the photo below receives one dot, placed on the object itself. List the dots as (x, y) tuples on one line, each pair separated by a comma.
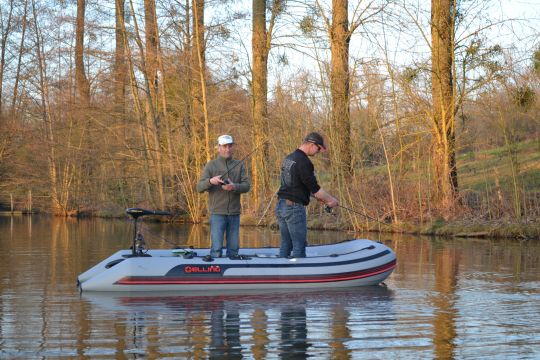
[(293, 328), (256, 325)]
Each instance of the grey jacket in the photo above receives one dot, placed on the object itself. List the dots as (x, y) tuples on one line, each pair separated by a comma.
[(222, 202)]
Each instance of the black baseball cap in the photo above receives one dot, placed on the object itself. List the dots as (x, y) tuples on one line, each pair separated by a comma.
[(316, 138)]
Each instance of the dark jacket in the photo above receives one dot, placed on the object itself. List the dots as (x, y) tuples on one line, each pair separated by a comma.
[(298, 179), (222, 202)]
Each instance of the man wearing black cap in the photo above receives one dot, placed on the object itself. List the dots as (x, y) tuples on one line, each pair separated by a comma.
[(298, 182)]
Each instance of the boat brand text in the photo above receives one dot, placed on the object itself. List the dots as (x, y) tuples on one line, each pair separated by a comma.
[(195, 269)]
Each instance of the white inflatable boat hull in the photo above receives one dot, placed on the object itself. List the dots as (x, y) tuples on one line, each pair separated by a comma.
[(346, 264)]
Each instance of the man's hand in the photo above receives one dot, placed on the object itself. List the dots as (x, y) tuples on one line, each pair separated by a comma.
[(332, 202), (326, 198), (229, 186), (216, 180)]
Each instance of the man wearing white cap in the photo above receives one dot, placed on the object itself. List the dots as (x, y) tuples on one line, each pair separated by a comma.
[(225, 179)]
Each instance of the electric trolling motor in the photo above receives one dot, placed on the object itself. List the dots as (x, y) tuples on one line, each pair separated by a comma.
[(138, 245)]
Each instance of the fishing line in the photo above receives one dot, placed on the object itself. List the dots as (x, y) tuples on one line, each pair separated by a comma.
[(152, 233), (328, 210), (359, 213), (267, 207), (225, 181)]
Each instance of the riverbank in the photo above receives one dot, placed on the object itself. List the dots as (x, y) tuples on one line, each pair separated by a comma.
[(492, 229), (464, 228)]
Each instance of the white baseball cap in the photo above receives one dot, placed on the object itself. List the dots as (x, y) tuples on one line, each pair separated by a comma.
[(225, 139)]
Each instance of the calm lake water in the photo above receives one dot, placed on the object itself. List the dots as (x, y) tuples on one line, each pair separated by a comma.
[(457, 298)]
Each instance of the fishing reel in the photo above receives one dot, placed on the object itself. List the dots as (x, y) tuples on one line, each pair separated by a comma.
[(225, 181)]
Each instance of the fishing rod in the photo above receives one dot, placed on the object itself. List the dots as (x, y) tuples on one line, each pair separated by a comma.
[(328, 210), (226, 181)]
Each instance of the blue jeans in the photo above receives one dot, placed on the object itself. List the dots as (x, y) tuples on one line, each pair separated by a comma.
[(292, 222), (221, 225)]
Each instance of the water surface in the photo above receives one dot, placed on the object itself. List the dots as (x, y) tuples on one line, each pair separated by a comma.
[(457, 298)]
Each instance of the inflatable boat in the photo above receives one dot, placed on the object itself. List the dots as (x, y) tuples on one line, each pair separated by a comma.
[(357, 262)]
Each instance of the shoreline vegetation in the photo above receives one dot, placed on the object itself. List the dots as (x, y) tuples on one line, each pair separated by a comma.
[(524, 229), (486, 211), (497, 219)]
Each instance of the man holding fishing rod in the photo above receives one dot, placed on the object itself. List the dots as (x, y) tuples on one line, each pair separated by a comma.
[(298, 183), (225, 179)]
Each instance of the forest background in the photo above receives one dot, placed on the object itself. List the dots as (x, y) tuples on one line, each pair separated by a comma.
[(431, 110)]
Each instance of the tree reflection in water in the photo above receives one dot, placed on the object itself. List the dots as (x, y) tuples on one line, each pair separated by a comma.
[(446, 274)]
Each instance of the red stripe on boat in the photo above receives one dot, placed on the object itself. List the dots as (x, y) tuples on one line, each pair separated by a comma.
[(161, 280)]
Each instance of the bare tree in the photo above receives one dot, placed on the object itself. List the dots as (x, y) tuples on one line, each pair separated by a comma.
[(82, 84), (340, 37), (57, 205), (14, 99), (340, 32), (120, 69), (151, 47), (6, 29), (199, 110), (261, 44), (150, 118), (443, 100)]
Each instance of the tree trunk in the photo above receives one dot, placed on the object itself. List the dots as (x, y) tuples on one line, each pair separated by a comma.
[(151, 45), (442, 55), (198, 87), (3, 43), (57, 207), (120, 68), (150, 125), (260, 48), (339, 85), (153, 111), (19, 62), (81, 81)]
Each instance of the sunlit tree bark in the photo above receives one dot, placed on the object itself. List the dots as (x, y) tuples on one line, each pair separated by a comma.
[(57, 206), (151, 47), (15, 97), (261, 44), (150, 117), (82, 84), (120, 69), (199, 108), (443, 101), (340, 37), (6, 29)]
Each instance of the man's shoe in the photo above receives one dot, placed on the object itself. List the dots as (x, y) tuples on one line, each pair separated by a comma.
[(239, 257), (208, 258)]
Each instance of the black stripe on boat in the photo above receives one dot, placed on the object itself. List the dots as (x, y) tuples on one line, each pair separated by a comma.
[(257, 279), (180, 270)]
